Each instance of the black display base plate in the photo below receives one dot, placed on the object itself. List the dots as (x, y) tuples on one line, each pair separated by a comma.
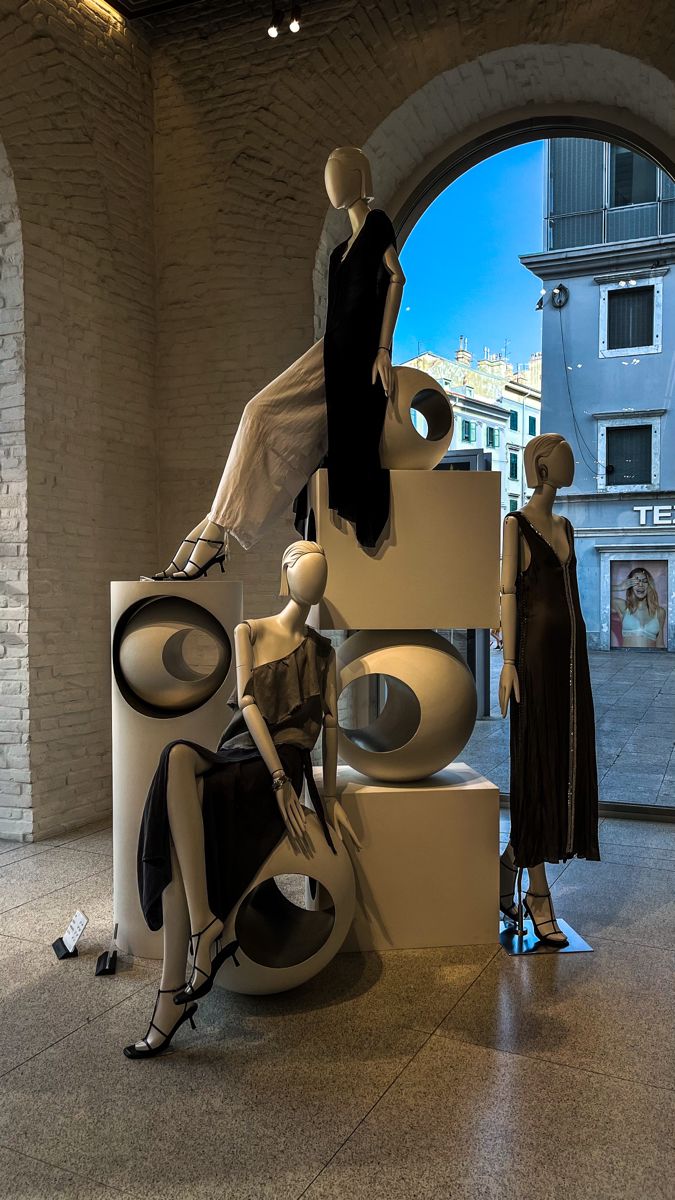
[(61, 950), (530, 944)]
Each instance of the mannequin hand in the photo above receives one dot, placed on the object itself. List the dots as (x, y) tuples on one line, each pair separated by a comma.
[(382, 367), (338, 819), (508, 683), (292, 812)]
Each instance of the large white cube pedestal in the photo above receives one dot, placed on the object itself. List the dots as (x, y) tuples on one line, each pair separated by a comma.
[(428, 870), (437, 567)]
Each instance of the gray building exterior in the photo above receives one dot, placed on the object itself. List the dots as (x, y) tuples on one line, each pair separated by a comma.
[(608, 369)]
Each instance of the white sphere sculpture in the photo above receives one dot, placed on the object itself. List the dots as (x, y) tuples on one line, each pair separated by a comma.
[(402, 446), (429, 710), (281, 945)]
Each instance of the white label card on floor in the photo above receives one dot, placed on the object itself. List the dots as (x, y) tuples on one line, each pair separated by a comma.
[(75, 930)]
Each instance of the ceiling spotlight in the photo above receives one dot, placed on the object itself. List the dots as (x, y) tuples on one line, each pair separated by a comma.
[(632, 282), (294, 25), (622, 283), (273, 28)]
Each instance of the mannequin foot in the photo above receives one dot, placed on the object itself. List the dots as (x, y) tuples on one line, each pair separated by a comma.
[(207, 955), (163, 1025), (182, 554), (508, 873), (540, 910), (210, 548)]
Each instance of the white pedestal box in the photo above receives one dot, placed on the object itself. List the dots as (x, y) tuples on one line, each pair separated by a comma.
[(428, 870), (437, 568), (173, 672)]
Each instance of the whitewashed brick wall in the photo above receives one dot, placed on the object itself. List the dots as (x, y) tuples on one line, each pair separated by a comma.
[(169, 180)]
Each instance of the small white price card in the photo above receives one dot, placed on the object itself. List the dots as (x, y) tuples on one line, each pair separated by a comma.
[(74, 931)]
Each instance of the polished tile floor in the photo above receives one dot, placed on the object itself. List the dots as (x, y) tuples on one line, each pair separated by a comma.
[(634, 699), (428, 1074)]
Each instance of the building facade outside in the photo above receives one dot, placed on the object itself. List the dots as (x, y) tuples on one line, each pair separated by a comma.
[(608, 371), (497, 409)]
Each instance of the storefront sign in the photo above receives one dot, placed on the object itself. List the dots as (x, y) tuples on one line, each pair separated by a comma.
[(655, 514)]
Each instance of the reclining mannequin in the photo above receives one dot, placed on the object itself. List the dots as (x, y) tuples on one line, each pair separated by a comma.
[(332, 399), (212, 818), (554, 792)]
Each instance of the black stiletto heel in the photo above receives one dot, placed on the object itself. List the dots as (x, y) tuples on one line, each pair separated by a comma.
[(132, 1051), (556, 937), (508, 911), (219, 557), (190, 992)]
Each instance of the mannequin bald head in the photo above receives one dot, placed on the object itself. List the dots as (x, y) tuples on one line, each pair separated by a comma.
[(548, 459), (348, 177)]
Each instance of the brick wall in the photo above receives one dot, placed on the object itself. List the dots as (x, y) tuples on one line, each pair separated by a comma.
[(140, 356)]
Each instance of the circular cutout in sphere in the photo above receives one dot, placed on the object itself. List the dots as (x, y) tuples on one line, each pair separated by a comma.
[(282, 943), (170, 656), (418, 426), (429, 708)]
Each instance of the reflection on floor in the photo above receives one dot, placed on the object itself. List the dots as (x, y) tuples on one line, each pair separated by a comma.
[(634, 697), (429, 1074)]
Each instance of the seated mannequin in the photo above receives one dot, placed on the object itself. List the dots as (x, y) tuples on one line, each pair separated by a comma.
[(332, 399), (212, 818), (546, 679)]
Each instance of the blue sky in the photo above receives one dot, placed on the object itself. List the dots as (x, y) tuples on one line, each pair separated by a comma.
[(461, 262)]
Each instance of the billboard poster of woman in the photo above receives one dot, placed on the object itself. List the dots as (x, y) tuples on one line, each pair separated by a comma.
[(639, 592)]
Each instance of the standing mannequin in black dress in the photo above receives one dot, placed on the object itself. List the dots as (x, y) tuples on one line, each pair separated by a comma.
[(332, 399), (212, 817), (554, 790)]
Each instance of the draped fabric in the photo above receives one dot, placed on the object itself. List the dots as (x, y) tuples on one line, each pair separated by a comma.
[(554, 789), (242, 822)]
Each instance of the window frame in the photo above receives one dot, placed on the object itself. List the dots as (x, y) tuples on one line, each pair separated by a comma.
[(513, 412), (513, 454), (636, 418), (473, 429), (531, 420), (607, 286)]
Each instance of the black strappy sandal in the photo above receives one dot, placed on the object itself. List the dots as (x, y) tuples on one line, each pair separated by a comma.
[(190, 992), (509, 911), (220, 557), (132, 1051), (556, 937), (162, 576)]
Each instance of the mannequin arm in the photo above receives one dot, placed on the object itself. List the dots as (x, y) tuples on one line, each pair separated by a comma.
[(289, 805), (508, 680), (382, 365), (335, 813)]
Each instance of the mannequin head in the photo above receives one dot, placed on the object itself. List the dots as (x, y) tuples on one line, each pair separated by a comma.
[(304, 572), (549, 460), (348, 177)]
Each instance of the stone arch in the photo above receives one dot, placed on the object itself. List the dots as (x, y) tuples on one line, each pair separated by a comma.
[(515, 94)]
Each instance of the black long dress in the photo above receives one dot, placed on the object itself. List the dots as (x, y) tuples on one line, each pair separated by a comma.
[(554, 788), (242, 822), (358, 487)]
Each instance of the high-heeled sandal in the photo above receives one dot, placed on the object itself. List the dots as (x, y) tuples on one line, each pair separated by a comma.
[(192, 992), (556, 937), (221, 556), (132, 1051), (162, 576), (509, 911)]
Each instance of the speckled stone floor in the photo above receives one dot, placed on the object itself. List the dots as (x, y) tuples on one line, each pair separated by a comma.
[(634, 699), (458, 1073)]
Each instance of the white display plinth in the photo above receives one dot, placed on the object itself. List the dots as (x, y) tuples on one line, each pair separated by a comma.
[(437, 567), (428, 870)]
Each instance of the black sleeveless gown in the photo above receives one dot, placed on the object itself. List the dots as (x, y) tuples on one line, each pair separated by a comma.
[(242, 822), (554, 787)]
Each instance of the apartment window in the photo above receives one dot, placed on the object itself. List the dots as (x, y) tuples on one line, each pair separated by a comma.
[(513, 504), (468, 431), (513, 465), (532, 426), (492, 437), (513, 419), (632, 178), (630, 317), (468, 390), (629, 452)]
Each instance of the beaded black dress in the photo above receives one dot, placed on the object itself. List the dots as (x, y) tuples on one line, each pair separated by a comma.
[(242, 821), (554, 787)]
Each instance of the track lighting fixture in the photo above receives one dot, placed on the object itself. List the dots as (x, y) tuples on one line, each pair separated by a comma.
[(275, 21), (294, 24)]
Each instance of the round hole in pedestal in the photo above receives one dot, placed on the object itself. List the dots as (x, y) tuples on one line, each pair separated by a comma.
[(433, 417), (386, 709), (275, 929)]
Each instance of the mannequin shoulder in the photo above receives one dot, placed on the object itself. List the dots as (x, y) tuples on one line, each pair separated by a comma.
[(245, 632)]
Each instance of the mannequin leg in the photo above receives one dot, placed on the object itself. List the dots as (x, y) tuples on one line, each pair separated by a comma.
[(176, 933), (540, 903), (508, 873)]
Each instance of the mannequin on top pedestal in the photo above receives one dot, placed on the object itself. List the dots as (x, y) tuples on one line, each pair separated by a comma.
[(213, 817), (331, 400), (546, 679)]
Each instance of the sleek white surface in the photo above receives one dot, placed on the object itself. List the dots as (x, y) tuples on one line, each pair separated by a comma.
[(428, 870), (402, 447), (437, 567)]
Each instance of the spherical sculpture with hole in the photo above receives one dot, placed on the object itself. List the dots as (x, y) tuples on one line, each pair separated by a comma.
[(402, 446), (281, 945), (429, 710)]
